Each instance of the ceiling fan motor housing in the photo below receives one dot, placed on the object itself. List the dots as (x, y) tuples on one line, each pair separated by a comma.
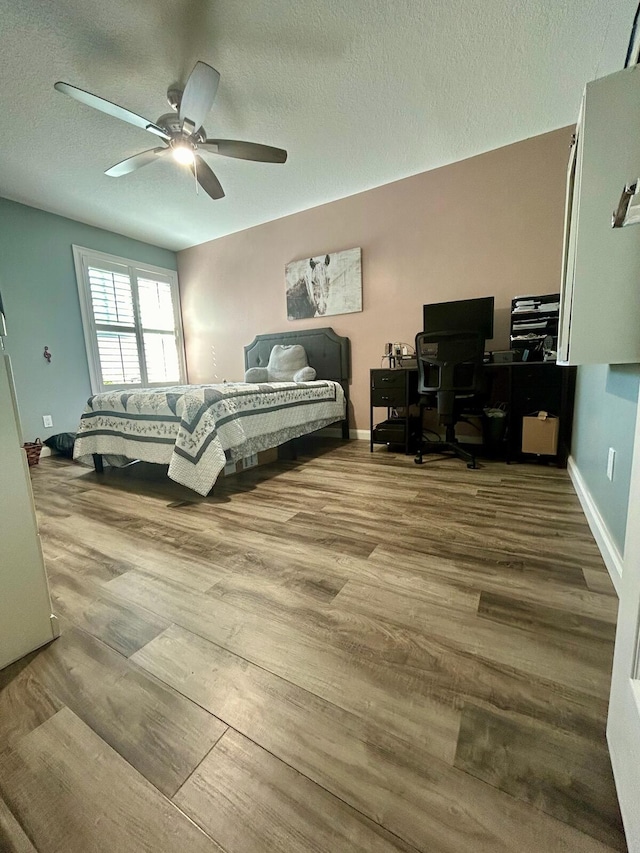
[(170, 122)]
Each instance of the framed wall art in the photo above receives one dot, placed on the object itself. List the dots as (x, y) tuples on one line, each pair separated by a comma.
[(324, 285)]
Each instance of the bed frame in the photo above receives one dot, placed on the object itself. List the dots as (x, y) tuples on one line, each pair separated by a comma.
[(329, 354)]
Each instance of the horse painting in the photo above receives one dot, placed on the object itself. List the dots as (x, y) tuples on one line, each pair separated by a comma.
[(324, 285), (308, 296)]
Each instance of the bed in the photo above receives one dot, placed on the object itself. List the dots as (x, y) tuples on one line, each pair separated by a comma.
[(198, 429)]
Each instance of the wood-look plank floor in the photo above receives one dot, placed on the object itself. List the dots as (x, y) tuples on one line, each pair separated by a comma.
[(343, 653)]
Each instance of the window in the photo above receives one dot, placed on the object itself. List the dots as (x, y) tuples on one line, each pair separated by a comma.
[(131, 319)]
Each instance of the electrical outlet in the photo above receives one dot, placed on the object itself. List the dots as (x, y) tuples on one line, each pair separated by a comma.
[(611, 460), (47, 420)]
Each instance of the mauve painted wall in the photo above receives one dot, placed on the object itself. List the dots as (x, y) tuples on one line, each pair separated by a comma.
[(488, 225)]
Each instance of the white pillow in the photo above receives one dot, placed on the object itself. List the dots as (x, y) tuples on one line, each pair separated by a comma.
[(305, 374), (256, 374), (286, 364)]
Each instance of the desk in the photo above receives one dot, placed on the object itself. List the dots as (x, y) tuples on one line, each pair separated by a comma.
[(523, 386), (532, 386)]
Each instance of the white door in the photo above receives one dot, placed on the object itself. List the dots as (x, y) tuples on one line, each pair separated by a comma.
[(623, 726)]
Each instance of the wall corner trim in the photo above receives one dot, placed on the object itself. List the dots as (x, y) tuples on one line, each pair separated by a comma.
[(608, 548)]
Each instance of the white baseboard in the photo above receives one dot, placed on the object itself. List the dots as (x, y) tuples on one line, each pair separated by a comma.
[(608, 548)]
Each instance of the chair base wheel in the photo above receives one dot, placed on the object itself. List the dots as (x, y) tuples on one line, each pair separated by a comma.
[(450, 449)]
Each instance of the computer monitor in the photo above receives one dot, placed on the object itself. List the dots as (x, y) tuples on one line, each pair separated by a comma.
[(462, 315)]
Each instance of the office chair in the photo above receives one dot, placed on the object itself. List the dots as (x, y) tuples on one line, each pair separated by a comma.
[(450, 365)]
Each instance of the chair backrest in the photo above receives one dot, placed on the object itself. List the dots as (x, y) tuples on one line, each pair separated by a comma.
[(449, 361)]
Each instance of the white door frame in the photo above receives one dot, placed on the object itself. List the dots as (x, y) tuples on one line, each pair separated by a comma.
[(623, 724)]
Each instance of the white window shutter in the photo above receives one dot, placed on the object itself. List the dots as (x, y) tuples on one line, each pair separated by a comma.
[(158, 321), (156, 305), (119, 360), (131, 320), (111, 297)]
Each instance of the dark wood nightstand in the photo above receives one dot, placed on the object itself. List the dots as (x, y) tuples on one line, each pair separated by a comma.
[(393, 389)]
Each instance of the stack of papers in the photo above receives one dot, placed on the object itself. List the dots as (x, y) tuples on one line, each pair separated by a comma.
[(523, 308)]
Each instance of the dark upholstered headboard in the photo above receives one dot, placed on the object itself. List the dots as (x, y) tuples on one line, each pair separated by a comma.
[(327, 352)]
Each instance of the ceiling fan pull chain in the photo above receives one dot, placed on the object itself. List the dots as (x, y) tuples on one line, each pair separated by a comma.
[(195, 174)]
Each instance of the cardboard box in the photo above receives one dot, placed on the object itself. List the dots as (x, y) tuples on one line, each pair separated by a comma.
[(261, 458), (540, 434)]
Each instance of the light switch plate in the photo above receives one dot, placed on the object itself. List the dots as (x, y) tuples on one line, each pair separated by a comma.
[(47, 420)]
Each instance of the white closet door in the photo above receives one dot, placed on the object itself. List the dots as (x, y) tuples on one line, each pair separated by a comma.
[(601, 296), (25, 607)]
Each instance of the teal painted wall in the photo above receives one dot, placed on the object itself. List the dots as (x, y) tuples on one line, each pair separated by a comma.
[(605, 416), (38, 285)]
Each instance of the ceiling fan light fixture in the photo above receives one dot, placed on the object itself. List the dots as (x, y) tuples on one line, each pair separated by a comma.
[(183, 154)]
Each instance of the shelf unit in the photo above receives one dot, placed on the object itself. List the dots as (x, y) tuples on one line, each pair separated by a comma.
[(534, 318), (527, 388)]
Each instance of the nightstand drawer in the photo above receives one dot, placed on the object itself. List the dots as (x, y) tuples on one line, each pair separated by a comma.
[(382, 380), (388, 396)]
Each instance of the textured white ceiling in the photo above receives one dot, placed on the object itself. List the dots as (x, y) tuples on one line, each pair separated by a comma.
[(360, 92)]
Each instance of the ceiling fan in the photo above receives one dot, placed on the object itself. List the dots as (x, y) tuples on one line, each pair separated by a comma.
[(181, 131)]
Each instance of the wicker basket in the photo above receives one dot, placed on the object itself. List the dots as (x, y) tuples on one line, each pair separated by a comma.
[(32, 449)]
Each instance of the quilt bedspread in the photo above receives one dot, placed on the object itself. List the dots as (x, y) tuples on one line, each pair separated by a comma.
[(197, 429)]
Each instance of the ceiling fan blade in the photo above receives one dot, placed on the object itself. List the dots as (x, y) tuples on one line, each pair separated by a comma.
[(245, 150), (198, 96), (109, 108), (207, 180), (135, 162)]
